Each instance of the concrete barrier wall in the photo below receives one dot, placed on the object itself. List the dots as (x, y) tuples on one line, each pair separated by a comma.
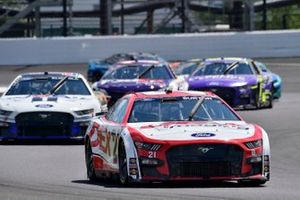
[(61, 50)]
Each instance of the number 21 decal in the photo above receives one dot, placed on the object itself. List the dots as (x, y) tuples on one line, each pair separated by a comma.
[(151, 154)]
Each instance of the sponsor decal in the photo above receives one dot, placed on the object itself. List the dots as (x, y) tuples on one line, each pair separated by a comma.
[(133, 170), (43, 105), (214, 83), (203, 135), (106, 141), (132, 160)]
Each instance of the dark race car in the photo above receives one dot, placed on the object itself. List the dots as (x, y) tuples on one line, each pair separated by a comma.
[(97, 67), (132, 76), (237, 80)]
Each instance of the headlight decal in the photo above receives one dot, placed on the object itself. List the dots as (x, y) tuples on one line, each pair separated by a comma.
[(253, 144), (5, 112), (147, 146), (84, 112)]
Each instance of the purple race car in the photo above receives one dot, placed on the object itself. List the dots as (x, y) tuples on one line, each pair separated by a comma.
[(137, 76), (237, 80)]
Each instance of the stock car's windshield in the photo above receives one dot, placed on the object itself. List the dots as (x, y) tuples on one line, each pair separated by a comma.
[(262, 66), (71, 86), (220, 68), (186, 68), (133, 72), (179, 109)]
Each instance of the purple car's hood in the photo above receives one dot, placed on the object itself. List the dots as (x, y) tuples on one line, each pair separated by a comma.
[(221, 81), (132, 85)]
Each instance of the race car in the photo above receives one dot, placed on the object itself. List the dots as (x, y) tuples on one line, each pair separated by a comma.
[(137, 76), (237, 80), (97, 67), (48, 105), (277, 80), (174, 136)]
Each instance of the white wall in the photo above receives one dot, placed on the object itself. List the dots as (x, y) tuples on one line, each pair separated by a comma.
[(177, 46)]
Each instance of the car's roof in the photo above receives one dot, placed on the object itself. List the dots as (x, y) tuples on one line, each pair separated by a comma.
[(163, 94), (226, 60), (50, 74), (138, 55), (142, 54), (139, 62)]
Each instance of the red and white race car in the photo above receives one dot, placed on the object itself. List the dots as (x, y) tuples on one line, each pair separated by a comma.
[(181, 135)]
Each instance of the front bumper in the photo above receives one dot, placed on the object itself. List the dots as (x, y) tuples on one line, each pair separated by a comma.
[(220, 162), (234, 96), (43, 125)]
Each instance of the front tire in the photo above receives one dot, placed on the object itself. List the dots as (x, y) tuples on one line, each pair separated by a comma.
[(90, 169), (252, 183), (123, 171)]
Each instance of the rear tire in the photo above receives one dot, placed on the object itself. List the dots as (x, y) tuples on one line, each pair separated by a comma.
[(270, 103), (257, 99), (90, 169)]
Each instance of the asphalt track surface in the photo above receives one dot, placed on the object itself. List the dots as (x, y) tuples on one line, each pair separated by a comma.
[(57, 171)]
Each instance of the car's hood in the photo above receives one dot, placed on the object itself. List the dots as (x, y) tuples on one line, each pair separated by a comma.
[(132, 85), (220, 130), (30, 103), (222, 81)]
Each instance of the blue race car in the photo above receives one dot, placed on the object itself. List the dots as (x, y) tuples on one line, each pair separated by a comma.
[(277, 81), (97, 67)]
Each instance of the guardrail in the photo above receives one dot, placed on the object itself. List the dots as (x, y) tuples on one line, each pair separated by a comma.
[(37, 51)]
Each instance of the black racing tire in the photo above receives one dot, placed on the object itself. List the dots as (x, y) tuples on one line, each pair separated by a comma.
[(123, 171), (252, 183), (90, 169), (257, 99), (270, 103)]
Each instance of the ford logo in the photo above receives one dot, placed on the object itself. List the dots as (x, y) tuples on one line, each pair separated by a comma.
[(203, 135), (44, 106)]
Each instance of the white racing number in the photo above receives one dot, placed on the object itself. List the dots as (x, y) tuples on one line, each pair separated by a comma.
[(151, 154)]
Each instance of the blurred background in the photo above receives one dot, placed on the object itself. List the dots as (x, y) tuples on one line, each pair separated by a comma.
[(49, 18)]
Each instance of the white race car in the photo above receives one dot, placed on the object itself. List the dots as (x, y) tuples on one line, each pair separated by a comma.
[(48, 105)]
